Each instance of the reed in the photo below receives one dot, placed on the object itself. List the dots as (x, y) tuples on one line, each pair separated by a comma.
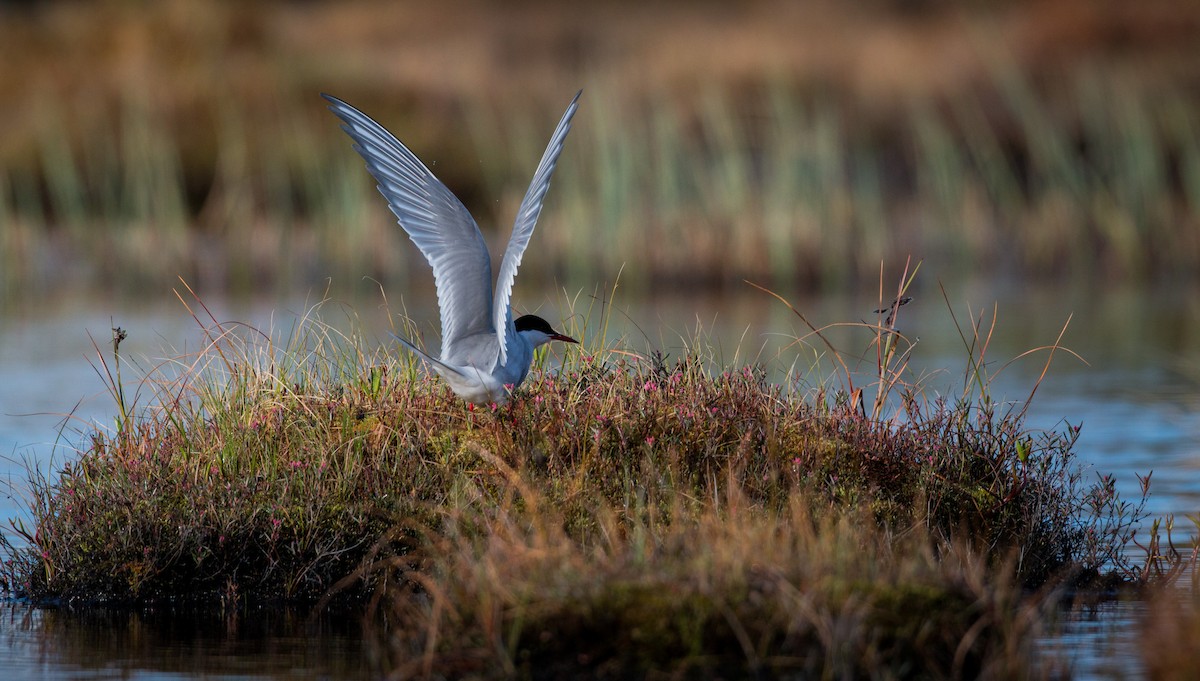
[(775, 183)]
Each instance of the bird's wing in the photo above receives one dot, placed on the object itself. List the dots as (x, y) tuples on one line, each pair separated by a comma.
[(527, 216), (435, 220)]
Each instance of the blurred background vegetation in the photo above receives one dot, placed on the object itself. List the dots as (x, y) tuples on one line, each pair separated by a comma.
[(796, 143)]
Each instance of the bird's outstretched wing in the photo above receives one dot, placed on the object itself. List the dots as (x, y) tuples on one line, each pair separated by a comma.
[(527, 216), (435, 220)]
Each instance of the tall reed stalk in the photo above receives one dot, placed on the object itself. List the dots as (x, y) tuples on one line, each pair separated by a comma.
[(772, 183)]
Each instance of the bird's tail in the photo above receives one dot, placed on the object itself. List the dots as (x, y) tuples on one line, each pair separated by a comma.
[(440, 366)]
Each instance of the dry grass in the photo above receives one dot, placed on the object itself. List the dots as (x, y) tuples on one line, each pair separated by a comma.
[(1170, 631), (188, 55), (728, 590), (187, 138), (1170, 618)]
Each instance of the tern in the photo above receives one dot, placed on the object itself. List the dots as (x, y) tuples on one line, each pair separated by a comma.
[(485, 352)]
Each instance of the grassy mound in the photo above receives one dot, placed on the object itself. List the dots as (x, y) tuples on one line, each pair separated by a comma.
[(626, 513)]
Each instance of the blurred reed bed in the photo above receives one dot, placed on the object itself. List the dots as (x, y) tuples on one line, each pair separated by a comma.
[(124, 207), (774, 182), (783, 185)]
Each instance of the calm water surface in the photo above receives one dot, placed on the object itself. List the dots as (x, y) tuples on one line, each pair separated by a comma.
[(1137, 398), (94, 643)]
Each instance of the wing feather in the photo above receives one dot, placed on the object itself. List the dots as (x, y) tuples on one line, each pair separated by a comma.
[(527, 215), (436, 221)]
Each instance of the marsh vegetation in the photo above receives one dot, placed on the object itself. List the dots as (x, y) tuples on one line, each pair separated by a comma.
[(627, 512), (780, 166)]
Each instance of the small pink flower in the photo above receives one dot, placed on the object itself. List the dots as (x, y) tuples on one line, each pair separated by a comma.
[(650, 386), (537, 399), (650, 440)]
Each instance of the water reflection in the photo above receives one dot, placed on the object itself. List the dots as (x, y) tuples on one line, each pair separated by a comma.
[(98, 643), (1097, 641)]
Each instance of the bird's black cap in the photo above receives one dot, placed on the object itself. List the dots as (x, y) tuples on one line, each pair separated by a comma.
[(532, 322)]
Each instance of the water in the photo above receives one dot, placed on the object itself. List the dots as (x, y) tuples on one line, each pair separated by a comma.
[(1098, 641), (1137, 398), (163, 644)]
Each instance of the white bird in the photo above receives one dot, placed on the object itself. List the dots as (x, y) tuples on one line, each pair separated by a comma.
[(485, 353)]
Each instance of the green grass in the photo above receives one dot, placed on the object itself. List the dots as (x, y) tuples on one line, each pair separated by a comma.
[(626, 513), (771, 182)]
